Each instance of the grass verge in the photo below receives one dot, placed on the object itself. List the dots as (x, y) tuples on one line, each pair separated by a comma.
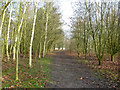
[(35, 77)]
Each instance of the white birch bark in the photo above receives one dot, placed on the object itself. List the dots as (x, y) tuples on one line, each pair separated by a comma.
[(17, 41), (33, 30), (7, 36), (19, 27), (3, 17)]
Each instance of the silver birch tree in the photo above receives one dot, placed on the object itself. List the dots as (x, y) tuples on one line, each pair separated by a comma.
[(7, 36), (33, 30)]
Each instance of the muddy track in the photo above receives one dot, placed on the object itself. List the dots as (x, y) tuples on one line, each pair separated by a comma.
[(67, 73)]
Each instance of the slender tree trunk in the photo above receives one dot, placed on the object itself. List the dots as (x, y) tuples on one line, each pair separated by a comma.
[(3, 43), (11, 46), (7, 39), (3, 47), (40, 51), (85, 41), (44, 48), (17, 40), (14, 50), (25, 41), (36, 51), (30, 52), (20, 37), (18, 31), (99, 61), (112, 57), (3, 17), (17, 52), (78, 54), (100, 49)]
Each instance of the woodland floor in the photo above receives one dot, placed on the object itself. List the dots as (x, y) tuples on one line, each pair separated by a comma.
[(36, 77), (60, 69), (66, 72)]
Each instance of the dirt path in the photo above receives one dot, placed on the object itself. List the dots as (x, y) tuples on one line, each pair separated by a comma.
[(67, 73)]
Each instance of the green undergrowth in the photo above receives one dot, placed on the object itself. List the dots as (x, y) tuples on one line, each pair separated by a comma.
[(35, 77)]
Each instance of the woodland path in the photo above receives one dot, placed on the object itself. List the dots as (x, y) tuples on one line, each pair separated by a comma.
[(67, 73)]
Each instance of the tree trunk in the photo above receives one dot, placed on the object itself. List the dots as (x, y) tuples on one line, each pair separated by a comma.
[(7, 36), (1, 26), (25, 40), (3, 17), (11, 44), (36, 52), (78, 54), (17, 40), (44, 50), (17, 52), (3, 48), (40, 51), (112, 58), (85, 40), (18, 31), (30, 56), (99, 60), (14, 51)]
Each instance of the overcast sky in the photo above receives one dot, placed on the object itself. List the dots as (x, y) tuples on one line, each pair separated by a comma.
[(67, 12)]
